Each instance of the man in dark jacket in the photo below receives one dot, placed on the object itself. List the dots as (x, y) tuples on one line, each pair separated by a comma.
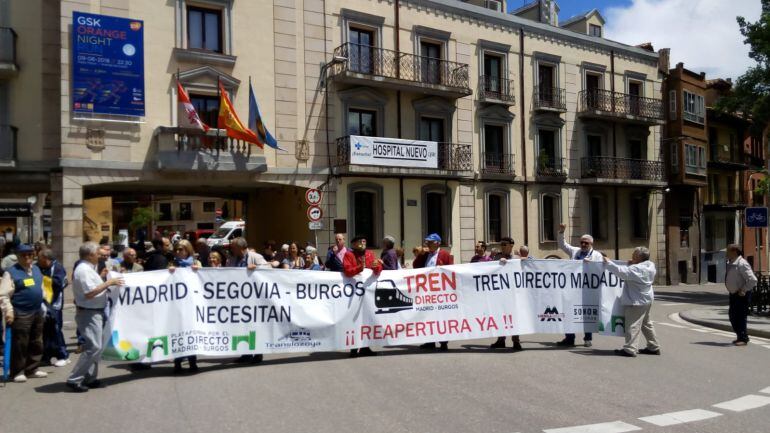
[(389, 257), (156, 259), (434, 257), (54, 282), (336, 254)]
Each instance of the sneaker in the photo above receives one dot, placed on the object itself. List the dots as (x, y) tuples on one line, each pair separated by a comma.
[(647, 351), (740, 343), (59, 362), (76, 387), (588, 343), (20, 378), (622, 352), (39, 374)]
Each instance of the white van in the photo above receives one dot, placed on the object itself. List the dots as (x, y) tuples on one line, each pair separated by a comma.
[(227, 232)]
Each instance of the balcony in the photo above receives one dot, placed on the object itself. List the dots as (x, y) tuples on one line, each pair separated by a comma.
[(725, 161), (549, 99), (496, 90), (603, 104), (551, 168), (8, 66), (452, 160), (371, 66), (181, 149), (8, 136), (607, 169), (724, 203), (497, 164)]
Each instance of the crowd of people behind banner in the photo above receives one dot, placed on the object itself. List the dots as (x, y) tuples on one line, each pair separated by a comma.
[(33, 282)]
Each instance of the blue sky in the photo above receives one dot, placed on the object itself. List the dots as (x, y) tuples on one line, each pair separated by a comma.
[(571, 8)]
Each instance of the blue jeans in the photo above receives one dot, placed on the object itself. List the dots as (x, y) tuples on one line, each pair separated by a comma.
[(739, 312), (53, 339)]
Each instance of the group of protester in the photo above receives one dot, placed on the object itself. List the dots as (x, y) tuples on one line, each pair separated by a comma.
[(33, 283)]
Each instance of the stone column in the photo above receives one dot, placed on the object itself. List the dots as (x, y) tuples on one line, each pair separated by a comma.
[(66, 217)]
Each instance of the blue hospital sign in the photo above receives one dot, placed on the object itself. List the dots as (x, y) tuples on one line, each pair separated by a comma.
[(756, 217), (107, 65)]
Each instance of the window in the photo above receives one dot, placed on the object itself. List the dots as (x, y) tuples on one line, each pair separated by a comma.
[(691, 159), (497, 216), (547, 150), (546, 82), (435, 210), (595, 30), (207, 108), (593, 99), (204, 29), (361, 50), (634, 97), (185, 211), (684, 231), (693, 108), (730, 189), (674, 158), (430, 62), (550, 209), (494, 148), (493, 72), (164, 209), (597, 210), (637, 148), (365, 212), (594, 145), (362, 122), (209, 206), (702, 159), (672, 104), (432, 129), (639, 216)]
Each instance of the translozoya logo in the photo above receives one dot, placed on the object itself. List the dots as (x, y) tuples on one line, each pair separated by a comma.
[(551, 314), (250, 339), (615, 321), (299, 334), (388, 299)]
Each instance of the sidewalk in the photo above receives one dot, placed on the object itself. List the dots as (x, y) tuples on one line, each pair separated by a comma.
[(716, 317)]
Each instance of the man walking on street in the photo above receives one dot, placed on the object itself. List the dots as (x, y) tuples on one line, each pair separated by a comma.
[(637, 299), (505, 254), (585, 252), (740, 282)]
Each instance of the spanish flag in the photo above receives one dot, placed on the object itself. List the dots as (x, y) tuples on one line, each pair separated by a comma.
[(229, 121)]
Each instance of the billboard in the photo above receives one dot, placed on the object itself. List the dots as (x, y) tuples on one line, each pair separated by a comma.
[(107, 65)]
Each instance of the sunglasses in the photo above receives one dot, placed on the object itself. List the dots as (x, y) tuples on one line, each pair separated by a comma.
[(504, 244)]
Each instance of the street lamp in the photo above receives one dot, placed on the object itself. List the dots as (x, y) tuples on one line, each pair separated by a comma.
[(31, 229)]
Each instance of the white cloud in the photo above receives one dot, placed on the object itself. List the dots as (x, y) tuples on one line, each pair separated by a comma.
[(701, 33)]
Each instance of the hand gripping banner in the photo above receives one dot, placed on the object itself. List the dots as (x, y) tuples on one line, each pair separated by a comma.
[(226, 312)]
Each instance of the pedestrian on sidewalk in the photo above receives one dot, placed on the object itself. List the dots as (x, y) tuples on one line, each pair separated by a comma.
[(585, 252), (637, 298), (740, 281)]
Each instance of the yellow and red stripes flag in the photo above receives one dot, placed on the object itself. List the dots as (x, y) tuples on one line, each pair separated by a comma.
[(229, 121)]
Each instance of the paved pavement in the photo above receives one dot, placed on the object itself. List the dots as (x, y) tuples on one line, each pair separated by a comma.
[(701, 383)]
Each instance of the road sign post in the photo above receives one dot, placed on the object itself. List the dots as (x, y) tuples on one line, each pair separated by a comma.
[(756, 218)]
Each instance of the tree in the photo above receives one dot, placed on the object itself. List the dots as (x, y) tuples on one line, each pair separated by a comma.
[(142, 217)]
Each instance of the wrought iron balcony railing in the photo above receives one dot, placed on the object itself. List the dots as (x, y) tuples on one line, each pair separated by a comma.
[(724, 201), (621, 104), (497, 163), (607, 167), (496, 88), (451, 156), (551, 98), (7, 46), (379, 62), (551, 167), (8, 135), (733, 160)]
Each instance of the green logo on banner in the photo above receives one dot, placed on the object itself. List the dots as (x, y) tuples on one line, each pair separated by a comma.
[(154, 342), (615, 321), (250, 339)]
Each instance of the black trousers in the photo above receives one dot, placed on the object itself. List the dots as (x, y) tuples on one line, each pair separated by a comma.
[(739, 312), (27, 342)]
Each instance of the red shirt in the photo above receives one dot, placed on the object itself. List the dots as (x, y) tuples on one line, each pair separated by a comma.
[(354, 263)]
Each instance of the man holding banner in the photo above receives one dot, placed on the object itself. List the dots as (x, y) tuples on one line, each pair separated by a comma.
[(434, 257), (354, 263)]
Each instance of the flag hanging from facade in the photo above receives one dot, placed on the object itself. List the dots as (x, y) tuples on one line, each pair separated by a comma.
[(229, 121), (256, 124), (188, 116)]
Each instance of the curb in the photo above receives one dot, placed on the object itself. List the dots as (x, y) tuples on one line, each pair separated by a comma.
[(721, 326)]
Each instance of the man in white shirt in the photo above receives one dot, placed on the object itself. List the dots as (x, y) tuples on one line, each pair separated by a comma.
[(585, 252), (739, 281), (637, 299), (90, 298)]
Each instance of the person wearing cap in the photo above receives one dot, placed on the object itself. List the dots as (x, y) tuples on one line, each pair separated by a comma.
[(435, 256), (21, 298), (585, 252), (354, 263), (389, 257), (505, 254)]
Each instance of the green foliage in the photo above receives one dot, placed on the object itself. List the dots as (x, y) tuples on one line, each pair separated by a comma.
[(142, 217), (763, 185)]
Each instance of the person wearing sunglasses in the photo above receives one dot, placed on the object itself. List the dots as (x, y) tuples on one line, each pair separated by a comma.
[(586, 251)]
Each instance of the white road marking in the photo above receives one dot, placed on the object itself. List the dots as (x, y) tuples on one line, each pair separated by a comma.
[(607, 427), (766, 346), (682, 417), (746, 402), (766, 390), (672, 325), (671, 304)]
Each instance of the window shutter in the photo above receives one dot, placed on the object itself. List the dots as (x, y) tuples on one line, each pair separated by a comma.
[(672, 104)]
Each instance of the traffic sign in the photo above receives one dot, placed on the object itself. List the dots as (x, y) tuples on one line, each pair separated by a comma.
[(218, 212), (313, 196), (315, 225), (756, 217), (314, 213)]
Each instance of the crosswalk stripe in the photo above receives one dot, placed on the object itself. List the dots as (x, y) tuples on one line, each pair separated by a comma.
[(681, 417), (607, 427), (746, 402), (766, 390)]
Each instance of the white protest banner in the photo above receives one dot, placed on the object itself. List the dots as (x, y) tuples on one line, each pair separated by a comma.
[(232, 311), (393, 152)]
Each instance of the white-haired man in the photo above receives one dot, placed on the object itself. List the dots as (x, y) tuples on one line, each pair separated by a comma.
[(637, 298), (586, 251)]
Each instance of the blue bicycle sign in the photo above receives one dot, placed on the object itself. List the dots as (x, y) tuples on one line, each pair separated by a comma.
[(756, 217)]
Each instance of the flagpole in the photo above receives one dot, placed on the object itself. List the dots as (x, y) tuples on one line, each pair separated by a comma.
[(219, 96)]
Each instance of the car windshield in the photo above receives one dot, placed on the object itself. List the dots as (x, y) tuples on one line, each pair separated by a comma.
[(220, 233)]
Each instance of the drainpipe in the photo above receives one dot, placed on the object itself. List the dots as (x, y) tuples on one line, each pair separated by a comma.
[(523, 135), (614, 152), (397, 37)]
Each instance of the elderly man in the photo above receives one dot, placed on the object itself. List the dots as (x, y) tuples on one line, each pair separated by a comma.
[(21, 298), (524, 253), (637, 299), (389, 257), (585, 252), (505, 254), (106, 261), (91, 300), (54, 282), (336, 254), (129, 264), (242, 257), (740, 281), (354, 263), (435, 256)]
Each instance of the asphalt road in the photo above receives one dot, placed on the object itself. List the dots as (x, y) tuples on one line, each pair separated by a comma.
[(405, 390)]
